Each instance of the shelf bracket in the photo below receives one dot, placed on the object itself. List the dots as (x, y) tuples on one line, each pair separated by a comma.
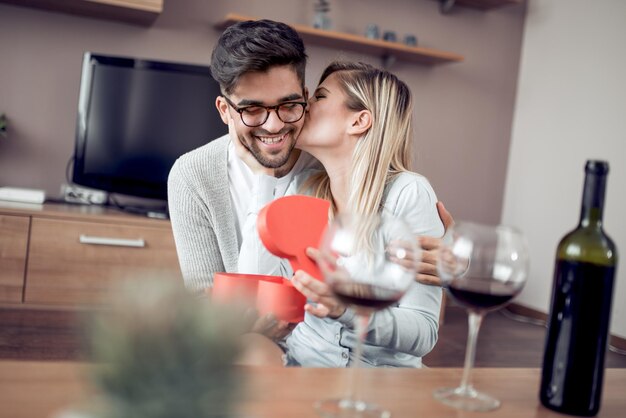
[(445, 6), (388, 61)]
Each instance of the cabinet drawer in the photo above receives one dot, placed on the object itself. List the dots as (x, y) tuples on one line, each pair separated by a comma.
[(13, 247), (64, 270)]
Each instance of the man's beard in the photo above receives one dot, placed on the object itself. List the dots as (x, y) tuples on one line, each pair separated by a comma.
[(278, 160)]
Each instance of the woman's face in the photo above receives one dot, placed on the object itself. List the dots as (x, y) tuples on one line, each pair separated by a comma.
[(327, 118)]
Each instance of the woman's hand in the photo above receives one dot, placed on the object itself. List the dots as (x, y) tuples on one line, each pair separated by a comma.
[(327, 305)]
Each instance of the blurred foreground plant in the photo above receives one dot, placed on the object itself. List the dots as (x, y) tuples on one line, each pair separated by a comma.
[(162, 353)]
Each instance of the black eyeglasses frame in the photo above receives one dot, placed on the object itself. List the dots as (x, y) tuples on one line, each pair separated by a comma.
[(275, 108)]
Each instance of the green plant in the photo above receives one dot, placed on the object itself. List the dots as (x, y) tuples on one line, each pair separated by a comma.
[(162, 353), (3, 125)]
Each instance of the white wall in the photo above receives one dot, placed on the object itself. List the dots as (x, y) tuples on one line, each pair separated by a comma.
[(571, 106)]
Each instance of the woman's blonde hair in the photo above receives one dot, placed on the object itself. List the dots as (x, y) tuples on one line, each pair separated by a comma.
[(384, 150)]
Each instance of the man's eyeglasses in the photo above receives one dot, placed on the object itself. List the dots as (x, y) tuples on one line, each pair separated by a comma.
[(255, 115)]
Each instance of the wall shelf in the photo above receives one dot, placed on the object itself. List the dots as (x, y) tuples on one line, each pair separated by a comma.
[(388, 51), (487, 4), (141, 12), (447, 5)]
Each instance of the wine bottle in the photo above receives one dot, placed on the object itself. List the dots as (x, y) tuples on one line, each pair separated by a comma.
[(586, 260)]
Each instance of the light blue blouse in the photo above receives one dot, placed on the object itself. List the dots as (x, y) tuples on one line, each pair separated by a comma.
[(397, 336)]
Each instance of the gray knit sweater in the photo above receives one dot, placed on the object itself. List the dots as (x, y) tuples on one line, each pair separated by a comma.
[(202, 216)]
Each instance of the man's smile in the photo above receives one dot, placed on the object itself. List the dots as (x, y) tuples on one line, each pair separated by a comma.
[(272, 140)]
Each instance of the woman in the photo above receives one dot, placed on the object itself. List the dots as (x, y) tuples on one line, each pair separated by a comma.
[(358, 126)]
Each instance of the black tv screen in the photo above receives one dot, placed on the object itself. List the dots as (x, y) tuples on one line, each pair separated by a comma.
[(136, 117)]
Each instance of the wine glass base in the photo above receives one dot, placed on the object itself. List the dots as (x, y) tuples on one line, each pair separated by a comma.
[(347, 408), (467, 399)]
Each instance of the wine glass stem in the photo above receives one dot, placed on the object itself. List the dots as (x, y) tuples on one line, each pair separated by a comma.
[(354, 385), (474, 320)]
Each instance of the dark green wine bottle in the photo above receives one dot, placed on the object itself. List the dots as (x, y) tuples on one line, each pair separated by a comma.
[(586, 260)]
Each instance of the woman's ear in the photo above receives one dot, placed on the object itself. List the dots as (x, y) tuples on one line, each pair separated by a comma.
[(360, 122), (222, 107)]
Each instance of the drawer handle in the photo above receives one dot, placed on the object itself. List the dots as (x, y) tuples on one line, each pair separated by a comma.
[(117, 242)]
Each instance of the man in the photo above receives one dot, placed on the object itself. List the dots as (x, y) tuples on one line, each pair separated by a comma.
[(260, 66), (257, 64)]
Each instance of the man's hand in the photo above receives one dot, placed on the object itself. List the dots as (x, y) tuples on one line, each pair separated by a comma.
[(271, 327), (327, 305), (244, 154), (427, 269), (445, 216)]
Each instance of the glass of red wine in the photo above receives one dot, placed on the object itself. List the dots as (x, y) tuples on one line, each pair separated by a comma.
[(369, 263), (483, 268)]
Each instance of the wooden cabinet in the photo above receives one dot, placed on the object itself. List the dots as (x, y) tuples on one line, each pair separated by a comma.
[(13, 246), (74, 262), (71, 256), (142, 12)]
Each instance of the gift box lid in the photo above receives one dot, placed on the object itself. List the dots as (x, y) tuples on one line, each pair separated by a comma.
[(289, 225)]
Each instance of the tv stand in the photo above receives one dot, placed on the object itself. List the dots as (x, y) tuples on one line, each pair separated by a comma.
[(44, 263)]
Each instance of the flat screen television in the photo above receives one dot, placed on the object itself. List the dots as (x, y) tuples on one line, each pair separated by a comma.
[(136, 117)]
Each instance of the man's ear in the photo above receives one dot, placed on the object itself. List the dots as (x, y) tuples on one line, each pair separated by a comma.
[(306, 94), (222, 107), (360, 122)]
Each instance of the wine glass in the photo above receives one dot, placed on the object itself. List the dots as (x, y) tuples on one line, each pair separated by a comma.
[(483, 267), (369, 262)]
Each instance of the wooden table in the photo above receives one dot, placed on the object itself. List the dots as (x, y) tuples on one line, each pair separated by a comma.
[(39, 389)]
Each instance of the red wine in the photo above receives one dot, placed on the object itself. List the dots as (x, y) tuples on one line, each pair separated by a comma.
[(573, 363), (482, 294), (367, 296)]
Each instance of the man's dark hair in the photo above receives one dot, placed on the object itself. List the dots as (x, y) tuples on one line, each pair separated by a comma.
[(256, 45)]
